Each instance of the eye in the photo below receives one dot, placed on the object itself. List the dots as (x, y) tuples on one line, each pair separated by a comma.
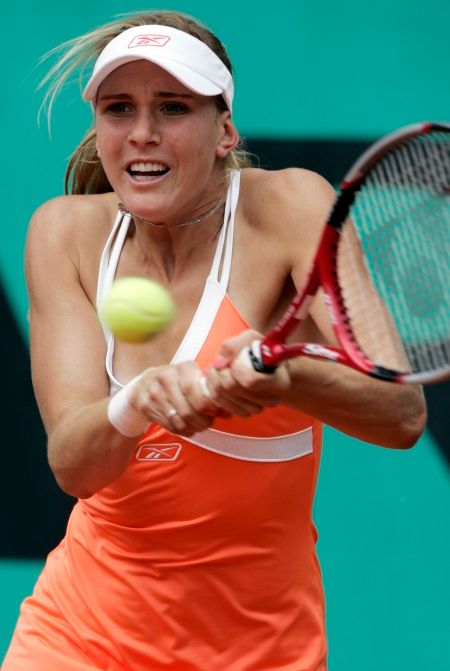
[(118, 108), (174, 108)]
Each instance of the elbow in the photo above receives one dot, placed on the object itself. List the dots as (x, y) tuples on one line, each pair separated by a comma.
[(407, 438), (76, 491), (72, 475), (70, 481), (71, 486), (410, 425)]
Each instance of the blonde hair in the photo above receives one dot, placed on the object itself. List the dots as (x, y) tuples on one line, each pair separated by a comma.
[(84, 173)]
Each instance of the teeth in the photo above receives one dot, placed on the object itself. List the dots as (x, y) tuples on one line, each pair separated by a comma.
[(147, 167)]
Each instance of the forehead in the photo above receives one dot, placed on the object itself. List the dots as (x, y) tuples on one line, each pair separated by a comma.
[(141, 75)]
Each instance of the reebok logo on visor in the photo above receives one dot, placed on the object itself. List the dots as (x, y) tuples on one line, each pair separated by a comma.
[(149, 41), (158, 453)]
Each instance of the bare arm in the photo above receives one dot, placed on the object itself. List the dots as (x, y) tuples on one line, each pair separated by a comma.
[(67, 359), (371, 410), (85, 451)]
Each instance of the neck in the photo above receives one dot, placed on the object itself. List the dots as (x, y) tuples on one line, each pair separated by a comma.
[(210, 212), (172, 255)]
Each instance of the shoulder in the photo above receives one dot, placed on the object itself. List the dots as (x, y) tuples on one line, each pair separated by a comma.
[(69, 232), (286, 178), (289, 205), (295, 192), (74, 214)]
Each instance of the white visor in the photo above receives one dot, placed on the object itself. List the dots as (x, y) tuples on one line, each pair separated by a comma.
[(185, 57)]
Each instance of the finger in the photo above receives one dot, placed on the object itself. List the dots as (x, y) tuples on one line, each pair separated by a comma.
[(232, 346), (247, 387), (205, 390), (231, 397), (161, 404), (185, 425), (215, 410), (191, 410), (173, 387)]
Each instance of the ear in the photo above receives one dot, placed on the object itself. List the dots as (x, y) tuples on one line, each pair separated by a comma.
[(229, 137)]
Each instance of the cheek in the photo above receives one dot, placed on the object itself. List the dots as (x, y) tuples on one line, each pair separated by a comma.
[(190, 151), (201, 136), (109, 140), (109, 153), (200, 143)]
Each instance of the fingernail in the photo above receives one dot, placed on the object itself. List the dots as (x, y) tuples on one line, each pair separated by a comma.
[(220, 362)]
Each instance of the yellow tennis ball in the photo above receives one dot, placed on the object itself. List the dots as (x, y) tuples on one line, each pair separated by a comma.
[(135, 309)]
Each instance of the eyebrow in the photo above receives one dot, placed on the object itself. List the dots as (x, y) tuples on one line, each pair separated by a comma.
[(157, 94)]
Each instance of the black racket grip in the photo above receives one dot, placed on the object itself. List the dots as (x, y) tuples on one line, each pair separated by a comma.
[(251, 356)]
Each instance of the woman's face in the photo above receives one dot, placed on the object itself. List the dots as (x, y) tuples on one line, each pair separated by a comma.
[(159, 142)]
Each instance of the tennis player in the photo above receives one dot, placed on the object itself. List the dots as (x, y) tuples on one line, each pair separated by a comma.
[(191, 546)]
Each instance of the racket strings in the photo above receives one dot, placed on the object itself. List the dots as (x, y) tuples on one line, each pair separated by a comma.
[(394, 257)]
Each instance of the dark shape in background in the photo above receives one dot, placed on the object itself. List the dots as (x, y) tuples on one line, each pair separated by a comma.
[(438, 404), (33, 510), (330, 158)]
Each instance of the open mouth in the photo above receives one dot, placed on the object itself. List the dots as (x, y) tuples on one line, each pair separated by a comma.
[(143, 170)]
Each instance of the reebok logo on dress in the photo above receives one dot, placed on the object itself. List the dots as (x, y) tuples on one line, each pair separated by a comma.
[(158, 452)]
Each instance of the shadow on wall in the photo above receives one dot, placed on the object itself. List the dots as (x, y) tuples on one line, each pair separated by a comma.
[(33, 510)]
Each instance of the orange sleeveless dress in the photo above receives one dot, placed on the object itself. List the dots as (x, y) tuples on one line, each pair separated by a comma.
[(199, 557)]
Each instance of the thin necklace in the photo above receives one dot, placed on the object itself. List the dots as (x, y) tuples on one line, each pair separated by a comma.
[(212, 210)]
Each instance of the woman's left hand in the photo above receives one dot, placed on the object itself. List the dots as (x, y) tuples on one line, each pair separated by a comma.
[(239, 389)]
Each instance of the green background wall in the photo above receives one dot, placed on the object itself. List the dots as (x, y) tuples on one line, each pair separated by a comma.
[(323, 76)]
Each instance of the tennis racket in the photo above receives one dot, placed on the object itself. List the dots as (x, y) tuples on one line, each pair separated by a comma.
[(383, 264)]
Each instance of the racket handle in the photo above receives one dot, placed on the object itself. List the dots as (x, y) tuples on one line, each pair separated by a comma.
[(252, 357)]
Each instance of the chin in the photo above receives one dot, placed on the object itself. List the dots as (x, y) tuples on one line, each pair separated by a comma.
[(141, 208)]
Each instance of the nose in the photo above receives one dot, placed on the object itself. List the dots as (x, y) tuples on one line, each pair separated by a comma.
[(144, 129)]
